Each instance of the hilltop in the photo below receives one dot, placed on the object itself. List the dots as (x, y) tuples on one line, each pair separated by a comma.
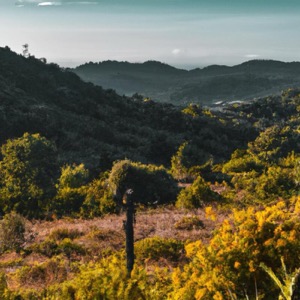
[(163, 83)]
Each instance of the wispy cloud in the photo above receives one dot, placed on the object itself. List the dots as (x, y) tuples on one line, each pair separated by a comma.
[(176, 51), (252, 55), (81, 2), (179, 53), (48, 3), (21, 3)]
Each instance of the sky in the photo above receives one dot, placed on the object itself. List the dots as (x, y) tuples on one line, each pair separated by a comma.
[(183, 33)]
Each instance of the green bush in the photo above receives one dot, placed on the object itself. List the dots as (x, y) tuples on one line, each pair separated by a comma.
[(99, 199), (69, 248), (52, 271), (108, 279), (47, 247), (73, 176), (12, 232), (62, 233), (156, 248), (71, 190), (50, 248), (3, 285), (196, 195), (189, 223)]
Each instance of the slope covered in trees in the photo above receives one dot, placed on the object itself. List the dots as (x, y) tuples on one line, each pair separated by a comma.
[(95, 126)]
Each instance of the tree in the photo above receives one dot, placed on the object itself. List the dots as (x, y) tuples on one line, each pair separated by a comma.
[(178, 168), (150, 184), (28, 172), (273, 143), (196, 195), (98, 199), (71, 189)]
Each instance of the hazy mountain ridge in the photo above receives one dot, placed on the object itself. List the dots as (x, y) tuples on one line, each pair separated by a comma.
[(160, 82)]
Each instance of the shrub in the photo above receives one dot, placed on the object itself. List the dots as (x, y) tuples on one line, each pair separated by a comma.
[(99, 199), (62, 233), (156, 248), (3, 285), (73, 176), (12, 232), (108, 279), (47, 247), (196, 195), (189, 223), (69, 248), (50, 247), (52, 271)]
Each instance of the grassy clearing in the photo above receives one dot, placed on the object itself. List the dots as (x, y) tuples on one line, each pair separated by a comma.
[(54, 250)]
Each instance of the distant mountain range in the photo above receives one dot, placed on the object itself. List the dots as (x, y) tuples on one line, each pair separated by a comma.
[(164, 83)]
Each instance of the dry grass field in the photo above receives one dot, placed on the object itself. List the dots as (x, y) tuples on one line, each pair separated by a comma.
[(53, 248)]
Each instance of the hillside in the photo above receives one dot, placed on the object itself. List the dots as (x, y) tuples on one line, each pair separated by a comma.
[(158, 81), (95, 126)]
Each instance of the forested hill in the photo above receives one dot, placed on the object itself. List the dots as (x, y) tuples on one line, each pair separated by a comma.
[(164, 83), (94, 126)]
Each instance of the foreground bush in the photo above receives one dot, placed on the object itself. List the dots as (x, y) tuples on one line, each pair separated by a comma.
[(229, 267), (108, 279), (12, 232)]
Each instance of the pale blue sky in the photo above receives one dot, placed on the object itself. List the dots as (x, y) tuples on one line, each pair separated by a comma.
[(184, 33)]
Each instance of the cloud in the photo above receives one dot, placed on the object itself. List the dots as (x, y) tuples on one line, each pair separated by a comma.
[(48, 3), (176, 51), (81, 2), (252, 55), (21, 3)]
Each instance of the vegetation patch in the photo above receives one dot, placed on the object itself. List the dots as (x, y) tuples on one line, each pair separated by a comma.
[(63, 233), (156, 248), (189, 223)]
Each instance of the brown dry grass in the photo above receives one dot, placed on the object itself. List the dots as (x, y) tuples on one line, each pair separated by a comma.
[(150, 222), (99, 237), (162, 223)]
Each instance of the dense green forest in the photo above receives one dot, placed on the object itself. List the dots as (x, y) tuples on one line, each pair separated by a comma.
[(216, 192)]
